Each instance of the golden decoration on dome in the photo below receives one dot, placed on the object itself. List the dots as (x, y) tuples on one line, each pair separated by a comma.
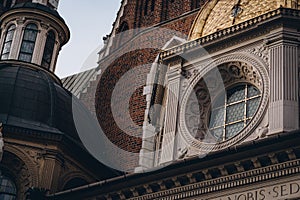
[(216, 15)]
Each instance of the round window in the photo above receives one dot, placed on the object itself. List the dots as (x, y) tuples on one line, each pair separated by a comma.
[(232, 112)]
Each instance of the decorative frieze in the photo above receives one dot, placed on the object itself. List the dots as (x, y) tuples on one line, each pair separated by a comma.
[(201, 189)]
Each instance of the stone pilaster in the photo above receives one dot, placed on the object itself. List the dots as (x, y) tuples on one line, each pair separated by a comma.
[(51, 171), (147, 153), (284, 95), (40, 44), (17, 39), (169, 135)]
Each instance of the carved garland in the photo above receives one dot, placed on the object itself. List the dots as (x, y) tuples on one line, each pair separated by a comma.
[(234, 68), (28, 161)]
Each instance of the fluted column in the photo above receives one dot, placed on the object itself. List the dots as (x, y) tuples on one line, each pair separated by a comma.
[(173, 90), (284, 95)]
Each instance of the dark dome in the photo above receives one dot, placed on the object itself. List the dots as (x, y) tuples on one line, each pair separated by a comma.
[(33, 99), (38, 6)]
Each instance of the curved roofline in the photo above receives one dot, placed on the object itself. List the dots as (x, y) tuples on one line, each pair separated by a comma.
[(37, 6), (218, 15), (204, 14), (32, 66)]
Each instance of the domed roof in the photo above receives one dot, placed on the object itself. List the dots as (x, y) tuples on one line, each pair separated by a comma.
[(38, 6), (33, 99), (220, 14)]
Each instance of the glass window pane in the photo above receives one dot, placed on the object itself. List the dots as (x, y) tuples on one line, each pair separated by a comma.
[(45, 65), (236, 94), (252, 91), (217, 118), (4, 56), (28, 43), (218, 133), (240, 107), (6, 48), (30, 35), (9, 36), (8, 41), (31, 26), (7, 197), (27, 47), (8, 189), (12, 27), (219, 101), (252, 106), (47, 57), (25, 57), (232, 130), (235, 112), (48, 52)]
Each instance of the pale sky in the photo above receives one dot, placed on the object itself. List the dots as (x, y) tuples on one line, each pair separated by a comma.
[(89, 21)]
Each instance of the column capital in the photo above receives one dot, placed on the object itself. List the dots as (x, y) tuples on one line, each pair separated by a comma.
[(281, 36)]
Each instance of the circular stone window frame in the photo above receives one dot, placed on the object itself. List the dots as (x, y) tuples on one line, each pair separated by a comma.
[(260, 67)]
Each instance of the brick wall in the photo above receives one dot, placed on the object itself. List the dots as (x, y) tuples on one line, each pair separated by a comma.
[(127, 58), (146, 13)]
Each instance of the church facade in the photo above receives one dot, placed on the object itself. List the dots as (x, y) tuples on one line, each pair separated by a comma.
[(192, 100)]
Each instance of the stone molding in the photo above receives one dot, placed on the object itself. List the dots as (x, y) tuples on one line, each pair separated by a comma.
[(231, 30), (262, 70), (228, 182)]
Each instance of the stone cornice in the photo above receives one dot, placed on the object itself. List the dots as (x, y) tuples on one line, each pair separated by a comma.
[(199, 177), (40, 11), (235, 29), (228, 182)]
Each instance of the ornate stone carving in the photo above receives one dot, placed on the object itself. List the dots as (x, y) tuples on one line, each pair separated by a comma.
[(21, 20), (35, 157), (186, 74), (262, 131), (207, 85), (45, 25), (199, 103), (260, 51)]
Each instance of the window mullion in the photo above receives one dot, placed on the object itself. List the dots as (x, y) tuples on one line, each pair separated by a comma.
[(245, 105), (225, 112)]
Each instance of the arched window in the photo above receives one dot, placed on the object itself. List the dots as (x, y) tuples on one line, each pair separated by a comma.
[(7, 42), (233, 111), (8, 190), (28, 43), (48, 51)]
